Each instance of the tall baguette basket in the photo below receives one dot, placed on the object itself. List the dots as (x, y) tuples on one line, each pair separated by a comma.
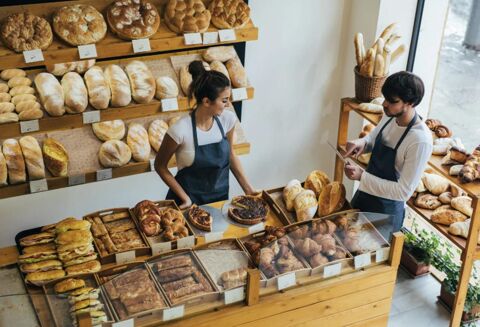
[(368, 88)]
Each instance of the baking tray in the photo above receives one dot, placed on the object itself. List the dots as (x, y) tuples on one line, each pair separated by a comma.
[(130, 253)]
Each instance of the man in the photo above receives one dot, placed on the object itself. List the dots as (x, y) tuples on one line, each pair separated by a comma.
[(401, 146)]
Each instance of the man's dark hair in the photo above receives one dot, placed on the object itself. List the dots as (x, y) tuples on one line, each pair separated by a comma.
[(404, 85)]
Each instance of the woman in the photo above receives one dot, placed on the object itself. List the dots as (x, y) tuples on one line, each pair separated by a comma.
[(202, 143)]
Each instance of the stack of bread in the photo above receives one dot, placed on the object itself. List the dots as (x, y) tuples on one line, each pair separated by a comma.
[(318, 195)]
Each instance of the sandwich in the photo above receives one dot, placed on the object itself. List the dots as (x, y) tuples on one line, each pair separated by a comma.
[(85, 306), (37, 253), (83, 293), (39, 248), (40, 238), (97, 317), (72, 224), (41, 277), (80, 260), (74, 236), (84, 268), (73, 250), (68, 284), (49, 228), (45, 265)]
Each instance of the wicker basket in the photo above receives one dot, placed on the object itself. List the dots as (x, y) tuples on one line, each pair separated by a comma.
[(367, 88)]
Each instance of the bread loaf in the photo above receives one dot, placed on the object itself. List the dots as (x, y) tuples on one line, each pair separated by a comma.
[(445, 215), (33, 157), (119, 86), (222, 53), (463, 204), (316, 181), (185, 79), (435, 184), (51, 94), (10, 73), (9, 117), (331, 198), (3, 169), (97, 87), (219, 67), (109, 130), (142, 81), (137, 140), (15, 161), (238, 75), (19, 81), (23, 97), (27, 105), (290, 192), (23, 89), (6, 107), (305, 205), (56, 157), (114, 153), (156, 132), (30, 114), (166, 88), (76, 97), (5, 97)]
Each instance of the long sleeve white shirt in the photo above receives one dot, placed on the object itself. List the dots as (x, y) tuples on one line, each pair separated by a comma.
[(410, 161)]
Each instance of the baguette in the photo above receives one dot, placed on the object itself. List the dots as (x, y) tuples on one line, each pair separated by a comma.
[(368, 64), (387, 56), (397, 52), (388, 31), (358, 42), (33, 157), (392, 39), (379, 66)]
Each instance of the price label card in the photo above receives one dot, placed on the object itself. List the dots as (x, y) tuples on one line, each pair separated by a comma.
[(256, 228), (235, 295), (104, 174), (124, 323), (33, 56), (332, 270), (141, 45), (213, 236), (186, 242), (362, 260), (76, 180), (173, 313), (87, 51), (90, 117), (158, 248), (210, 37), (286, 281), (125, 257), (38, 186), (169, 104), (239, 94), (381, 254), (29, 126), (192, 38), (227, 35)]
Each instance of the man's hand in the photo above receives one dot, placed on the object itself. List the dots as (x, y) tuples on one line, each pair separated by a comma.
[(187, 203), (355, 147), (353, 172)]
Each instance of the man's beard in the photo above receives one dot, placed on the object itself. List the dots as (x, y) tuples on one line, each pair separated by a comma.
[(396, 115)]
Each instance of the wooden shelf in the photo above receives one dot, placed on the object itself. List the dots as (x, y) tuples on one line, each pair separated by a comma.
[(351, 104), (111, 46)]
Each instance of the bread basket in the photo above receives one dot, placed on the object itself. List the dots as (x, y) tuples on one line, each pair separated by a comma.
[(368, 88)]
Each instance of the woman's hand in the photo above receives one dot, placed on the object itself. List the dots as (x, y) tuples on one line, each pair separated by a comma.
[(187, 203)]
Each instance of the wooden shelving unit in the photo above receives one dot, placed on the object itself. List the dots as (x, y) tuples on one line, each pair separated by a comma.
[(470, 249)]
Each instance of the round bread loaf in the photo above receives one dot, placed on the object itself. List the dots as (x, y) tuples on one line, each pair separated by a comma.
[(133, 19), (24, 31), (114, 153), (187, 16), (229, 13), (109, 130)]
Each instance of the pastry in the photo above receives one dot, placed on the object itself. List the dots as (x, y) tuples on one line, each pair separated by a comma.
[(463, 204), (331, 198), (318, 260), (187, 16), (290, 192), (137, 140), (109, 130), (435, 184), (24, 31), (305, 205), (238, 75), (326, 242), (427, 201), (114, 153), (166, 88), (75, 91), (79, 24), (33, 157), (229, 13), (97, 87), (156, 132), (458, 154), (455, 170), (445, 197), (221, 53), (443, 131), (307, 247), (323, 226), (316, 181), (119, 85), (445, 215), (200, 218), (15, 161), (56, 157), (142, 82), (133, 19), (51, 94), (248, 209)]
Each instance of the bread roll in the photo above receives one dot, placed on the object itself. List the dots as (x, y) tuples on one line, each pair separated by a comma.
[(33, 157), (427, 201), (18, 90), (455, 170), (22, 98), (185, 79), (76, 97), (222, 53), (114, 153), (137, 140), (332, 199), (3, 169), (445, 197), (30, 114), (15, 161), (97, 87), (9, 117), (238, 75), (109, 130), (219, 67), (166, 88), (61, 69), (142, 81), (27, 105), (19, 81), (290, 192), (5, 97), (305, 205), (56, 157), (8, 74), (435, 184), (51, 94), (6, 107), (445, 215), (316, 181), (119, 86), (156, 132), (84, 65), (4, 88), (461, 228), (463, 204)]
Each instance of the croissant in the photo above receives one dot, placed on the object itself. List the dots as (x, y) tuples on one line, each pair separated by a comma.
[(342, 222), (340, 253), (307, 247), (318, 260), (351, 241), (323, 227), (443, 131), (265, 265), (327, 242), (432, 123), (288, 263), (297, 232)]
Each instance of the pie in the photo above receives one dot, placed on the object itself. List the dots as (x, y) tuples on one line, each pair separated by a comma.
[(133, 19), (200, 218), (248, 209)]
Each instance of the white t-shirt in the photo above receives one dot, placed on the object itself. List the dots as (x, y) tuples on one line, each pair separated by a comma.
[(181, 132), (410, 162)]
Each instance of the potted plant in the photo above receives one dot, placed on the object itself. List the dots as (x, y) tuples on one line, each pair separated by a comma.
[(418, 249)]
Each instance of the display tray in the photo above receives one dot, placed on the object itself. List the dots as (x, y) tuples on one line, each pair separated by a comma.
[(59, 305), (157, 243), (119, 254)]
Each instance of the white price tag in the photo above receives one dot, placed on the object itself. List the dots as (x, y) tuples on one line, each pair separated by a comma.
[(104, 174), (213, 236), (239, 94), (256, 228), (33, 56), (29, 126), (158, 248), (235, 295), (124, 323), (125, 257), (87, 51), (286, 281), (173, 313), (141, 45), (227, 35), (186, 242), (210, 37), (381, 254), (192, 38), (362, 260), (152, 164), (90, 117), (169, 104), (38, 186), (332, 270), (76, 180)]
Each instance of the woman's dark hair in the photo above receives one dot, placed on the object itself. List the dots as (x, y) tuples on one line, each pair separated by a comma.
[(404, 85), (205, 83)]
